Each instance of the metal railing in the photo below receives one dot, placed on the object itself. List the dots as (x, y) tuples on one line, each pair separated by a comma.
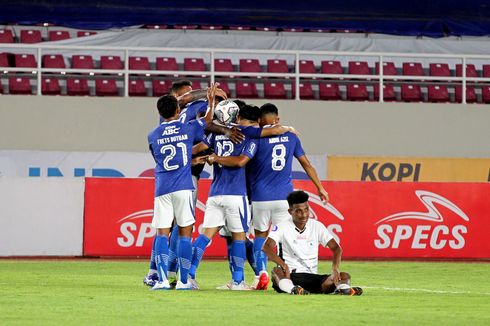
[(214, 53)]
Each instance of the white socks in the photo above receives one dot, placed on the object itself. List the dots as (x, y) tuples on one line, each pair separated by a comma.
[(286, 285)]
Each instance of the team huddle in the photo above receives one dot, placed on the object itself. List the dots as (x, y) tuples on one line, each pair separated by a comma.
[(252, 156)]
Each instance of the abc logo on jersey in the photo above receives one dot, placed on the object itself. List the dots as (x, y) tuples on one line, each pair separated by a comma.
[(429, 229)]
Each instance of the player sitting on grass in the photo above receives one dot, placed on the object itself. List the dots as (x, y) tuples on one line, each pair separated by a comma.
[(297, 242)]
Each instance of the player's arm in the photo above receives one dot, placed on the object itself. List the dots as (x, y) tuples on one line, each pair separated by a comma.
[(277, 130), (269, 250), (199, 147), (311, 172), (197, 94), (199, 160), (230, 161), (337, 256), (234, 133)]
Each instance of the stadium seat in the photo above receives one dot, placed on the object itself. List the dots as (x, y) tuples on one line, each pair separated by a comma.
[(196, 84), (359, 68), (6, 36), (194, 64), (166, 63), (160, 87), (274, 90), (85, 33), (305, 91), (25, 61), (53, 61), (485, 92), (413, 69), (50, 86), (437, 93), (224, 86), (139, 63), (411, 93), (249, 65), (389, 68), (332, 67), (19, 85), (111, 62), (211, 28), (246, 90), (239, 28), (388, 93), (185, 26), (329, 91), (4, 60), (307, 67), (82, 62), (1, 86), (439, 69), (470, 70), (30, 36), (105, 87), (277, 66), (58, 35), (470, 94), (77, 87), (485, 71), (357, 92), (137, 87), (223, 65)]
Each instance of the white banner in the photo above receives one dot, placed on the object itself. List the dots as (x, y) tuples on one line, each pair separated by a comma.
[(104, 164)]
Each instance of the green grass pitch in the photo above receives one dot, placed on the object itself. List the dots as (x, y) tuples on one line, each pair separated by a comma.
[(101, 292)]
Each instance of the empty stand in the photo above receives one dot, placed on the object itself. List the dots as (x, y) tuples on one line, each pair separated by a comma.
[(277, 66), (389, 68), (82, 62), (223, 65), (359, 68), (50, 86), (166, 63), (19, 85), (30, 36), (6, 36), (4, 60), (161, 87), (249, 65), (139, 63), (307, 67), (437, 93), (85, 33), (245, 89), (105, 87), (357, 92), (53, 61), (332, 67), (305, 91), (137, 87), (274, 90), (485, 92), (439, 69), (388, 93), (196, 84), (486, 71), (224, 86), (470, 70), (413, 69), (411, 93), (58, 35), (470, 94), (329, 91), (212, 28), (111, 62), (194, 64), (25, 61), (77, 86)]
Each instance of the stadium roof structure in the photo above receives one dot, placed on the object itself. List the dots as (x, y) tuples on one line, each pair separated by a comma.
[(435, 18)]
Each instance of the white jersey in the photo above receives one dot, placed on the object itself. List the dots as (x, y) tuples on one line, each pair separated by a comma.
[(299, 249)]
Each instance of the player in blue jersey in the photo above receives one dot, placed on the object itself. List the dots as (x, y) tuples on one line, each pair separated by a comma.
[(228, 203), (171, 147)]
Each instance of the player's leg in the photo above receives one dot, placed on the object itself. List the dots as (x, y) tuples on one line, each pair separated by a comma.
[(172, 256), (343, 287), (261, 222), (152, 277), (281, 283)]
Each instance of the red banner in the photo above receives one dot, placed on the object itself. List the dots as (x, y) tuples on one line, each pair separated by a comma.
[(371, 219)]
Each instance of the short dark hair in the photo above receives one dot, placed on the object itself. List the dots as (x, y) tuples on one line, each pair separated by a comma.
[(176, 86), (240, 103), (249, 112), (268, 108), (297, 197), (167, 106)]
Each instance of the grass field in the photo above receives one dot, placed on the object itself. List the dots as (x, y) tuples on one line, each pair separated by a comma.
[(111, 292)]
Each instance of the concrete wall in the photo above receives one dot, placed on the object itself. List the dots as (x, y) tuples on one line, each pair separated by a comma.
[(334, 128)]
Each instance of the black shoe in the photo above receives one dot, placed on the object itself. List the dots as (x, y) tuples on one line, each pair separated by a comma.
[(355, 290), (298, 290)]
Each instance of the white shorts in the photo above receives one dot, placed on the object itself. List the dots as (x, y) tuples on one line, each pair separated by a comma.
[(265, 213), (178, 205), (229, 211)]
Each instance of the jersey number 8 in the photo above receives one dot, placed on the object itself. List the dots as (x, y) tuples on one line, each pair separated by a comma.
[(278, 157)]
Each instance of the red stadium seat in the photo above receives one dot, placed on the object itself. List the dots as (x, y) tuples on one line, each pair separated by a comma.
[(277, 66), (161, 87), (439, 69), (388, 93), (19, 85), (411, 93), (58, 35), (77, 87), (50, 86), (196, 84), (246, 90), (186, 26), (485, 91), (332, 67), (111, 62), (305, 91), (211, 28), (307, 67), (329, 91), (166, 63), (224, 86), (357, 92), (389, 68), (240, 28), (30, 36), (105, 87), (223, 65), (359, 68), (274, 90), (413, 69), (437, 93), (137, 87), (25, 61), (470, 70), (4, 60), (1, 86), (470, 94), (249, 65), (6, 36), (139, 63), (486, 71), (82, 62), (85, 33), (53, 61), (194, 64)]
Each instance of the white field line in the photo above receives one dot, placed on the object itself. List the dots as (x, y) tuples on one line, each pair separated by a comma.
[(423, 290)]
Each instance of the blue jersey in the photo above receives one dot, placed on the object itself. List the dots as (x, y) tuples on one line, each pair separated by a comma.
[(171, 147), (269, 173), (231, 180), (192, 111)]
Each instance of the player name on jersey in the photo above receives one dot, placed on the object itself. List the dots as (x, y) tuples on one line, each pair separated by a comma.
[(276, 140), (172, 139)]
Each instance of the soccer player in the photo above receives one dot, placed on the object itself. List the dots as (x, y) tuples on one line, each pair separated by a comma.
[(227, 203), (297, 241), (171, 147)]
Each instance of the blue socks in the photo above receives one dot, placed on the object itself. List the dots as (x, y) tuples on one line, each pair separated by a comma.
[(238, 256), (249, 247), (172, 253), (260, 257), (153, 264), (198, 249), (228, 252), (161, 256), (185, 256)]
